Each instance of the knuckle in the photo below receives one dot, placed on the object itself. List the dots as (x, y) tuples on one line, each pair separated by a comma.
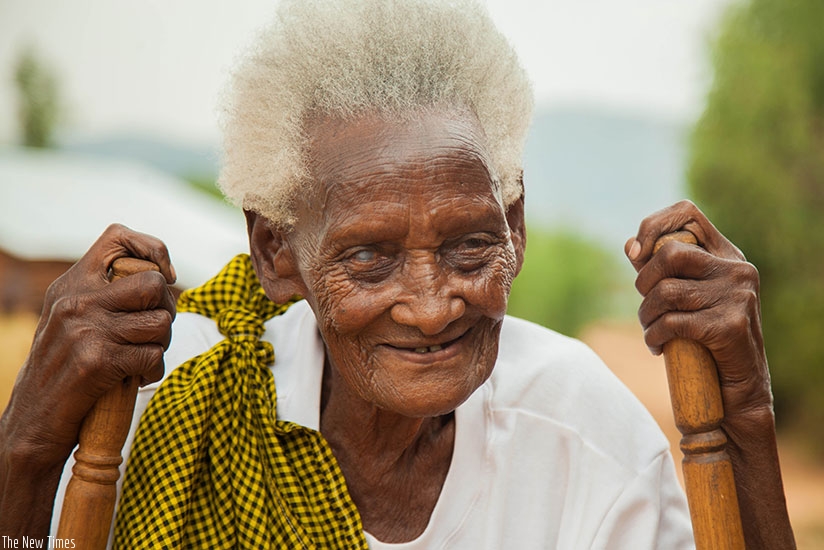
[(84, 363), (737, 253), (152, 355), (169, 304), (118, 228), (671, 255), (648, 339), (66, 306), (136, 359), (686, 204), (154, 281), (149, 289), (56, 289), (145, 293), (161, 247), (738, 319), (92, 353), (165, 323), (156, 324), (712, 270), (652, 340), (161, 319), (675, 324), (751, 303), (712, 335), (740, 322), (667, 323), (640, 286), (747, 273), (644, 314), (669, 292), (115, 230), (155, 373)]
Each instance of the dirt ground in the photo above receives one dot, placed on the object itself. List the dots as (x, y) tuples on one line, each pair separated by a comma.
[(622, 348)]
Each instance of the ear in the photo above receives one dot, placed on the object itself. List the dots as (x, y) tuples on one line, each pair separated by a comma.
[(517, 229), (273, 260)]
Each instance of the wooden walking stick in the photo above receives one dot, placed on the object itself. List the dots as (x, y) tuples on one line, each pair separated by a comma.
[(699, 411), (90, 498)]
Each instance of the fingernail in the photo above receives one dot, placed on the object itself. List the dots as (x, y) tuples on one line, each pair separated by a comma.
[(174, 273), (634, 251)]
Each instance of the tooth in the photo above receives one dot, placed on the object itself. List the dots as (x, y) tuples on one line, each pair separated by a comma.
[(420, 350), (436, 347)]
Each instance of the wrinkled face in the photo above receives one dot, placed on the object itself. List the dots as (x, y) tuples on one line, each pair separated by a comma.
[(407, 258)]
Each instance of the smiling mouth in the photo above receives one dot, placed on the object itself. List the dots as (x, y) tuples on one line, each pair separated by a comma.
[(428, 349)]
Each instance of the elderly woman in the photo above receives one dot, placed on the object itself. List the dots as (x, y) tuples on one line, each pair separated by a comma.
[(375, 148)]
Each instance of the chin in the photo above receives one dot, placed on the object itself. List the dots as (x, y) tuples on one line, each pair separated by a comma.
[(431, 400)]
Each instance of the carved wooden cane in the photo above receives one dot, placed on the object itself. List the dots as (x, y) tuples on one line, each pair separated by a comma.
[(90, 498), (699, 411)]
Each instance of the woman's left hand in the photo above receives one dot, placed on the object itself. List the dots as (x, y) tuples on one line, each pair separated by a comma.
[(708, 293)]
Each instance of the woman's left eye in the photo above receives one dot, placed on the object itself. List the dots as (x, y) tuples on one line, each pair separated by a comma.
[(474, 244), (471, 253)]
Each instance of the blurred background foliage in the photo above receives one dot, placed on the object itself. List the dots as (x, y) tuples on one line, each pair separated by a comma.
[(38, 98), (756, 167), (567, 281)]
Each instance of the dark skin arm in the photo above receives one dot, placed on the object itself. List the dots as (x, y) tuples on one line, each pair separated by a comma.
[(711, 295), (92, 333)]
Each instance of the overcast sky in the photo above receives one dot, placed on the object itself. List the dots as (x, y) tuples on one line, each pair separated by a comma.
[(157, 66)]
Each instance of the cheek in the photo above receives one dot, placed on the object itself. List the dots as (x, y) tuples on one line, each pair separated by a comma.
[(488, 288), (345, 307)]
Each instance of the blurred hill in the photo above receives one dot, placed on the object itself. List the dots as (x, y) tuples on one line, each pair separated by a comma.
[(182, 160), (600, 173)]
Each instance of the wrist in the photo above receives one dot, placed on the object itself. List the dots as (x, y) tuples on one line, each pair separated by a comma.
[(751, 429), (28, 452), (27, 490), (753, 451)]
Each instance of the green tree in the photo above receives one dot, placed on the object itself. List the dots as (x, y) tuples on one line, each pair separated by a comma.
[(566, 282), (38, 99), (757, 169)]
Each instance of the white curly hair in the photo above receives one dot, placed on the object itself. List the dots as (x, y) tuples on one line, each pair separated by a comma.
[(343, 58)]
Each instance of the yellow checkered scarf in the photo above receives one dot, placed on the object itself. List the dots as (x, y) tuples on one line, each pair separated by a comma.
[(211, 467)]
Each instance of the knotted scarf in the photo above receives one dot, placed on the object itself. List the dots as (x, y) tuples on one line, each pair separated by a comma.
[(211, 466)]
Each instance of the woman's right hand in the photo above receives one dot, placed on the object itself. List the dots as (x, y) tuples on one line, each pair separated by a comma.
[(92, 333)]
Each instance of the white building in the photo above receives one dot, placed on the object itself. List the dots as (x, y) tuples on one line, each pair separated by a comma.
[(54, 205)]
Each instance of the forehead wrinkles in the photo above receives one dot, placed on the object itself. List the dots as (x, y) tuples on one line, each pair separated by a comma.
[(453, 159), (444, 171), (426, 195), (371, 145)]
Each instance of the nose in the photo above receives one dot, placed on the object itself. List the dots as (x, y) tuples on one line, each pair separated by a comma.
[(429, 302)]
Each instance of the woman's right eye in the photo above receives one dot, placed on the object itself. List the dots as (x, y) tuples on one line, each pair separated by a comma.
[(369, 264), (365, 255)]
